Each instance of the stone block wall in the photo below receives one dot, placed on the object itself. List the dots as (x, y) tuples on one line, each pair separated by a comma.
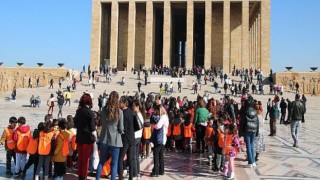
[(307, 80), (18, 77)]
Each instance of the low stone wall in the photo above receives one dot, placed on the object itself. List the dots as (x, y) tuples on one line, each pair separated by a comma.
[(18, 77), (306, 80)]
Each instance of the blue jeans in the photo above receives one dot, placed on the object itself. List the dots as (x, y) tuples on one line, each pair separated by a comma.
[(249, 139), (104, 150)]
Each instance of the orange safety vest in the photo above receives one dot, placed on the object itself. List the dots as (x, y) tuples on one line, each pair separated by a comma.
[(209, 132), (32, 146), (23, 140), (177, 129), (9, 139), (146, 132), (45, 143), (228, 143), (73, 142), (169, 130), (187, 131), (65, 145), (221, 139)]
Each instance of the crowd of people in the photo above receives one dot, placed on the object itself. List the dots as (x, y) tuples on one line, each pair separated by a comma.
[(127, 128)]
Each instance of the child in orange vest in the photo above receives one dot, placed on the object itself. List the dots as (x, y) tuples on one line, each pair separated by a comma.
[(7, 140), (230, 149), (188, 129), (32, 149), (209, 140), (61, 151), (46, 141), (178, 131), (217, 138), (21, 137), (146, 135)]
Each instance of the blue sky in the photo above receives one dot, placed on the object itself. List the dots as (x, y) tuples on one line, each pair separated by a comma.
[(53, 31)]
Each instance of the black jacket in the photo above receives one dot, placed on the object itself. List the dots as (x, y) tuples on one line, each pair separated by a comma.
[(249, 121), (297, 110), (85, 123), (128, 135)]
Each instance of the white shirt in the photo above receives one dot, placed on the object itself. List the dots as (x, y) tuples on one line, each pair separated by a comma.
[(164, 121), (138, 134)]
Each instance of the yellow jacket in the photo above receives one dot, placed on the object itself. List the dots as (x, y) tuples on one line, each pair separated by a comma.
[(68, 95), (57, 156)]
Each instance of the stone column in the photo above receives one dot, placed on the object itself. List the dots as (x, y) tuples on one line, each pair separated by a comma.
[(259, 42), (207, 37), (254, 44), (265, 36), (114, 34), (226, 37), (95, 35), (245, 61), (131, 34), (148, 62), (190, 39), (167, 34)]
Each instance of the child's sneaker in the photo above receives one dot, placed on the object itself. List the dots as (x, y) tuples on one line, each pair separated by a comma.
[(231, 175)]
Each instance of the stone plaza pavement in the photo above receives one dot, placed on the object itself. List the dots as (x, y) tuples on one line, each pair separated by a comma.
[(279, 161)]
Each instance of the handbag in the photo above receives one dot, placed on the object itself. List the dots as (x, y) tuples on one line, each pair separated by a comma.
[(137, 124)]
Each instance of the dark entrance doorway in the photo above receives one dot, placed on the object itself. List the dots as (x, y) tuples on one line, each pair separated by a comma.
[(198, 45), (158, 30), (179, 24)]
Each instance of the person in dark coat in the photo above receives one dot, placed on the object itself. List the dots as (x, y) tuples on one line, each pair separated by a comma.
[(127, 139), (249, 129)]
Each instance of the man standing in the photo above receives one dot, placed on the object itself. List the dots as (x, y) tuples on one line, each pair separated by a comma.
[(297, 88), (274, 116), (179, 86), (268, 108), (283, 108), (297, 112), (139, 86), (60, 103), (51, 83), (171, 87)]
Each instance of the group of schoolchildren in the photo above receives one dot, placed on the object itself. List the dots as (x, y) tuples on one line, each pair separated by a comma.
[(221, 138), (52, 143)]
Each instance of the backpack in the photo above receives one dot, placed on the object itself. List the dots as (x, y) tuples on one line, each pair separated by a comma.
[(45, 143), (65, 146), (32, 146), (23, 140)]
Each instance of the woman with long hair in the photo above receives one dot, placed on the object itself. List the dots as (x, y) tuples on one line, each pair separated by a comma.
[(159, 139), (200, 120), (259, 144), (85, 124), (110, 137), (140, 115)]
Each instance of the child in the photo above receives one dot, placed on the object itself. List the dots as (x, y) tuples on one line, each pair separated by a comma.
[(209, 140), (187, 132), (21, 137), (146, 135), (32, 149), (46, 139), (217, 141), (61, 150), (178, 131), (72, 151), (230, 149), (7, 140)]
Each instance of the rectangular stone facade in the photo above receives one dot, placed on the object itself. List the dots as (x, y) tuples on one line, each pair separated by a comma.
[(236, 33)]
